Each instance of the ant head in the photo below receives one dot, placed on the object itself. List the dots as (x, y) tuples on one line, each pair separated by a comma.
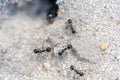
[(72, 67), (36, 51), (49, 16), (81, 73), (60, 53), (48, 49), (69, 21), (73, 31), (69, 46)]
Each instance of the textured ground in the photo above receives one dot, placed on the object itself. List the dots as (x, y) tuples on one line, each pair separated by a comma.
[(96, 22)]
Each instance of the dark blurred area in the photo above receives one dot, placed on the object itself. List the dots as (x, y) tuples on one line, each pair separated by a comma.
[(30, 7)]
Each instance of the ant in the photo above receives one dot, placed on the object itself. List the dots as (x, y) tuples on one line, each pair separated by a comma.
[(52, 13), (68, 47), (78, 72), (71, 26), (36, 51)]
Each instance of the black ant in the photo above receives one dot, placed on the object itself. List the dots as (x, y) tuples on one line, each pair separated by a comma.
[(71, 26), (36, 51), (52, 13), (78, 72), (51, 18), (68, 47)]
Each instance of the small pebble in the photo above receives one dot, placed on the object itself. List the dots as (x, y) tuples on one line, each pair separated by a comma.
[(47, 66), (104, 46), (118, 57), (26, 65), (118, 22), (62, 11), (26, 77)]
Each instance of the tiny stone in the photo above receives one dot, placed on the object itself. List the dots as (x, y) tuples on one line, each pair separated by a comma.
[(47, 66), (26, 65), (104, 46), (62, 11), (26, 78)]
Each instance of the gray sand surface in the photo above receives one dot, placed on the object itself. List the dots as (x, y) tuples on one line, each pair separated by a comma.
[(96, 22)]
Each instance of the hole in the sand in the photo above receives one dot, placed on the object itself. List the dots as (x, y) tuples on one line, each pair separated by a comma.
[(32, 7), (36, 8)]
